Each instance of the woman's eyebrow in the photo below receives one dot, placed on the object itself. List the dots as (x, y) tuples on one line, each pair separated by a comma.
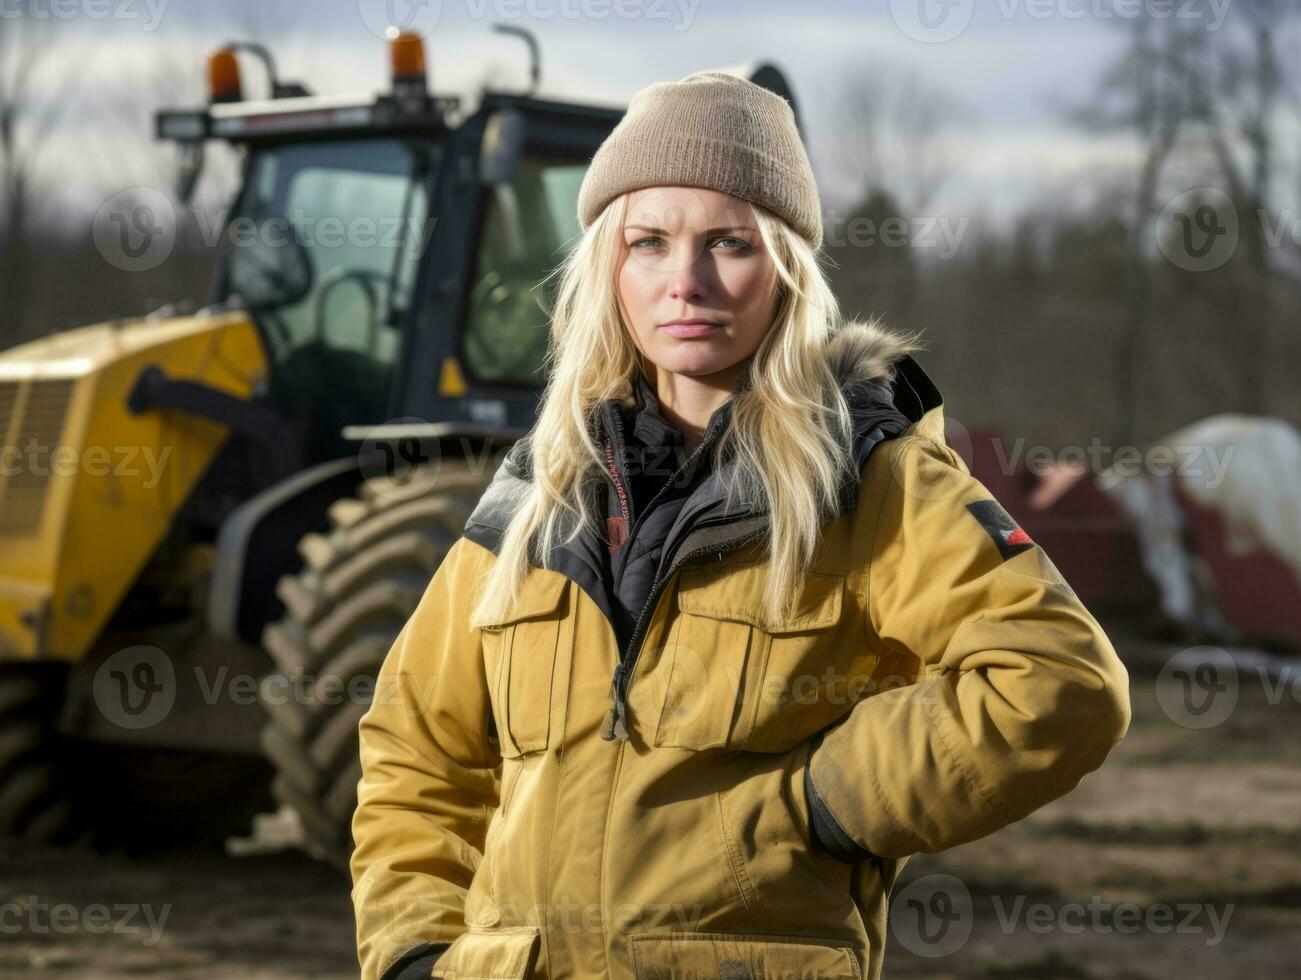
[(711, 231)]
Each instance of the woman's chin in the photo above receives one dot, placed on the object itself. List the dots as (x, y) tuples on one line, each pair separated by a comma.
[(695, 359)]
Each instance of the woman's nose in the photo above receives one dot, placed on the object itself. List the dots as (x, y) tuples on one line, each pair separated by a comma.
[(687, 281)]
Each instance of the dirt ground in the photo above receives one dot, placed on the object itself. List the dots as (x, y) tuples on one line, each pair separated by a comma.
[(1180, 857)]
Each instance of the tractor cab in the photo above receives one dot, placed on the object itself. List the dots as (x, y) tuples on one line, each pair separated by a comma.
[(391, 249)]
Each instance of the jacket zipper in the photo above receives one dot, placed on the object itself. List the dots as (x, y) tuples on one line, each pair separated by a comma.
[(614, 725), (618, 486)]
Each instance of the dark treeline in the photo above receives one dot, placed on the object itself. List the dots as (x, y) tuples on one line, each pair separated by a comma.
[(1029, 331)]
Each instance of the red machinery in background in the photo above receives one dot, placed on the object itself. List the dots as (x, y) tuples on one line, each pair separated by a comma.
[(1148, 559)]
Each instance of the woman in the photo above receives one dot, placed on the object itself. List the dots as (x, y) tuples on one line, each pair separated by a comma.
[(732, 633)]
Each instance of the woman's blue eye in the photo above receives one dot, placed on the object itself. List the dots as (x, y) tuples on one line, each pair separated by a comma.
[(737, 244)]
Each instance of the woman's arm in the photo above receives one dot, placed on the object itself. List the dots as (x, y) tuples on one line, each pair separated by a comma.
[(1021, 694), (428, 786)]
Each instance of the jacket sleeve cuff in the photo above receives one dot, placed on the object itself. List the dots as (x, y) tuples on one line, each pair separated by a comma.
[(828, 834), (416, 963)]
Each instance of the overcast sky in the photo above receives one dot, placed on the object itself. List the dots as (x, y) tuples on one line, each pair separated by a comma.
[(1012, 64)]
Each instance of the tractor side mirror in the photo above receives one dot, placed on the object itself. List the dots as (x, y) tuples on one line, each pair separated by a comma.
[(502, 148), (267, 264), (188, 170)]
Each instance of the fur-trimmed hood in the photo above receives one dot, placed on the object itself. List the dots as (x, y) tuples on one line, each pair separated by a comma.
[(886, 389), (865, 350)]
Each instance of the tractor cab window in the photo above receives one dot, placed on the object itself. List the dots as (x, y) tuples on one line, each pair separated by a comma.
[(324, 249), (528, 225)]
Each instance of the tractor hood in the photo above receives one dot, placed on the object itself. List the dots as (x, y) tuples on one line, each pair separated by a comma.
[(88, 488), (82, 351)]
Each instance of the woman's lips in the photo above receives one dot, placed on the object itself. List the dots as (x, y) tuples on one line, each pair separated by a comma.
[(695, 329)]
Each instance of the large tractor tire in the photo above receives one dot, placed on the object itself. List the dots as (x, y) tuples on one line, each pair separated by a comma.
[(359, 585), (58, 790), (34, 802)]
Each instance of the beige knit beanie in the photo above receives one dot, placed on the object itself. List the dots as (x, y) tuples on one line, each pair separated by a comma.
[(709, 130)]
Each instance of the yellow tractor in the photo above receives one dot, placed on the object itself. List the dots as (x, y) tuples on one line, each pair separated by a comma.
[(213, 526)]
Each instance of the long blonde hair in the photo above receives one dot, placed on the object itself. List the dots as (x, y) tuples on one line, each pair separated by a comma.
[(789, 431)]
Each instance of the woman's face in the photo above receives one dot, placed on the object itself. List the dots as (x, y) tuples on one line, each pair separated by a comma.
[(695, 255)]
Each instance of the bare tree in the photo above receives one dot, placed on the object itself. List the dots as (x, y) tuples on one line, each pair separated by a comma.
[(1186, 91), (1143, 92), (28, 115), (888, 124)]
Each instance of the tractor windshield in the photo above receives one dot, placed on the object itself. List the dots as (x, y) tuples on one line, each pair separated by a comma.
[(324, 247)]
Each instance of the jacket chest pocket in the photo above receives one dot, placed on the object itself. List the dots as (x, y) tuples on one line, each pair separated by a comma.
[(523, 656), (732, 677)]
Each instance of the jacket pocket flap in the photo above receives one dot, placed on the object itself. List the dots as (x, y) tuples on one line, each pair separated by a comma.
[(736, 593), (497, 954), (670, 956), (539, 595)]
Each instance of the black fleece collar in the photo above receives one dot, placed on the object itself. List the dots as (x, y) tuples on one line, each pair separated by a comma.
[(880, 411)]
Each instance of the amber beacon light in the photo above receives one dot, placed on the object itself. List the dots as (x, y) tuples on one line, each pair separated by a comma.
[(407, 56), (223, 77)]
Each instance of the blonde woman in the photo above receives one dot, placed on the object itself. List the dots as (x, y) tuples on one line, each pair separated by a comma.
[(732, 633)]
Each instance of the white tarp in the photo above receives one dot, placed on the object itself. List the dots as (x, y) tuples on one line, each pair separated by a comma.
[(1245, 468), (1249, 472)]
